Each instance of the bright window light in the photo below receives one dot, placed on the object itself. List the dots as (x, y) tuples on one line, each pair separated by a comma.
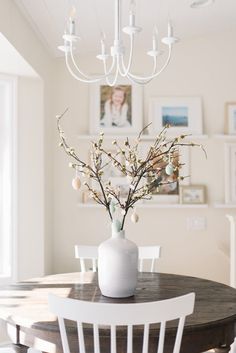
[(7, 103)]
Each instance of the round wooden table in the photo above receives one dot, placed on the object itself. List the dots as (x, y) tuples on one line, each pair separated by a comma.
[(23, 307)]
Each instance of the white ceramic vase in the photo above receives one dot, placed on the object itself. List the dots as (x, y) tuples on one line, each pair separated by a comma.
[(117, 266)]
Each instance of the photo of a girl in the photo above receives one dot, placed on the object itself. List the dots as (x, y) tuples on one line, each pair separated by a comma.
[(115, 104)]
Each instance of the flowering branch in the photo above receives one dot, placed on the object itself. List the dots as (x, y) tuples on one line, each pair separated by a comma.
[(143, 175)]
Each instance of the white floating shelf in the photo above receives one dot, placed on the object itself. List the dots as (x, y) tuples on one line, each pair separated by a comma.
[(225, 137), (225, 205), (143, 138), (151, 205), (106, 137), (172, 205)]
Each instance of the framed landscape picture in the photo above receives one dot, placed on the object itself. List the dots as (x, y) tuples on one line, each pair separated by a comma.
[(116, 110), (182, 114)]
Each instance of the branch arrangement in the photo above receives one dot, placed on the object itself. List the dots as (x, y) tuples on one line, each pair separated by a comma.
[(143, 174)]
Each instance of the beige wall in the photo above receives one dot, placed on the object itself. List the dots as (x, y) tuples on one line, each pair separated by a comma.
[(30, 176), (200, 67)]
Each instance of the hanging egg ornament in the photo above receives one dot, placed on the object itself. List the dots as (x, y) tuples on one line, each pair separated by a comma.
[(134, 217), (76, 183), (169, 169)]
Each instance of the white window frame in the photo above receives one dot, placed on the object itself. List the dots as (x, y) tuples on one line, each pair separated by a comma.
[(9, 257)]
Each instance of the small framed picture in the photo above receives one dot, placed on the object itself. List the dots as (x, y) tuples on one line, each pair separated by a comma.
[(116, 110), (192, 194), (182, 114), (230, 118)]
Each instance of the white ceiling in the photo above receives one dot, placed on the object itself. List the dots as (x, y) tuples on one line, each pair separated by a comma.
[(47, 17)]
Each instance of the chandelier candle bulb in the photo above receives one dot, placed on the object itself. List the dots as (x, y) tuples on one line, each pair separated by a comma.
[(154, 39), (71, 27), (132, 11), (103, 49), (131, 19), (154, 43), (72, 21), (170, 29)]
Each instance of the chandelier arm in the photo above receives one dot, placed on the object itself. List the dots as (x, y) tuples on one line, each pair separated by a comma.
[(75, 65), (77, 77), (86, 76), (112, 83), (107, 73), (154, 65), (147, 79), (135, 80), (126, 69), (143, 81)]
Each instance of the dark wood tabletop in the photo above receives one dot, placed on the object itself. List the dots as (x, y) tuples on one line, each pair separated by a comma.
[(24, 308)]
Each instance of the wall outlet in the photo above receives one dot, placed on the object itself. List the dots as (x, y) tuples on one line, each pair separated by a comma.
[(196, 223)]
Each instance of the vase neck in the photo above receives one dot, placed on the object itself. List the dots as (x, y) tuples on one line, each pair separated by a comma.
[(119, 235)]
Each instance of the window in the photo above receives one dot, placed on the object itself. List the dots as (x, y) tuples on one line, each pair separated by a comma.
[(7, 170)]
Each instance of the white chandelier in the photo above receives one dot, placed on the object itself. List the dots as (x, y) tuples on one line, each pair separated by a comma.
[(117, 51)]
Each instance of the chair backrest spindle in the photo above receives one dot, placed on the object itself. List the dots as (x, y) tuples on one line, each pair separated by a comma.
[(80, 337), (113, 339), (161, 337), (130, 339), (64, 338), (96, 338), (145, 338)]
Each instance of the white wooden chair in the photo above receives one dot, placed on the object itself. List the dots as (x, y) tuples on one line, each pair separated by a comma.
[(151, 253), (87, 252), (113, 315)]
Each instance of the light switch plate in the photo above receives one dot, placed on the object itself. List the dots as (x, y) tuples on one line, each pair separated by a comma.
[(196, 223)]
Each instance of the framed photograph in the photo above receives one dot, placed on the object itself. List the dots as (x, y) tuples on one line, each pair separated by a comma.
[(230, 173), (230, 118), (183, 114), (170, 190), (109, 170), (193, 194), (116, 110), (122, 184)]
